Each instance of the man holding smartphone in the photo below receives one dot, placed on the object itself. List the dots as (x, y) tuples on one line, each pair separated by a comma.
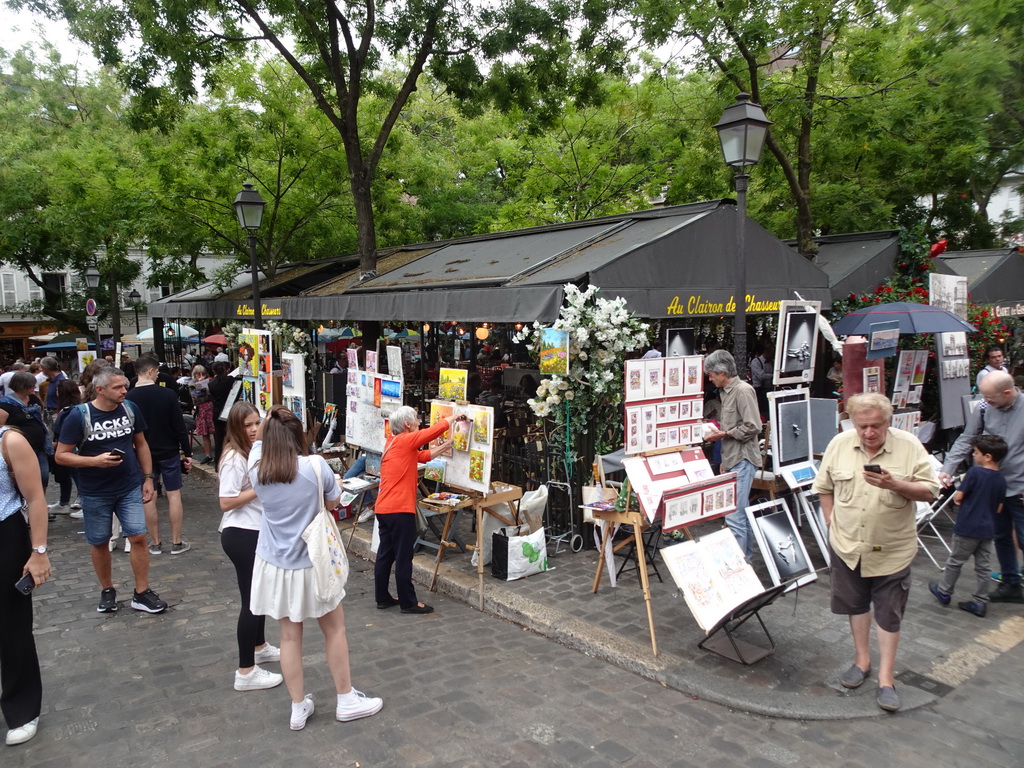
[(104, 440), (869, 480)]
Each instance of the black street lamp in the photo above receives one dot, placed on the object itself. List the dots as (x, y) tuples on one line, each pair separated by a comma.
[(134, 297), (249, 209), (741, 132), (92, 280)]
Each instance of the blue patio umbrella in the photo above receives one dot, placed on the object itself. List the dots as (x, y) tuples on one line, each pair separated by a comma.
[(913, 318)]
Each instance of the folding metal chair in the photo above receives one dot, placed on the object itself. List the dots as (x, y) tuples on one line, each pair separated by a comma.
[(925, 520)]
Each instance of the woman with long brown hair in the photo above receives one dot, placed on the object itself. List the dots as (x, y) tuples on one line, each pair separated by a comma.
[(285, 480), (239, 532)]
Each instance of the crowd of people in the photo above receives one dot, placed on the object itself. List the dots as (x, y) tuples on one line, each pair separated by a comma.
[(116, 438)]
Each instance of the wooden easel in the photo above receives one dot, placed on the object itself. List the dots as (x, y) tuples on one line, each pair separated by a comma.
[(481, 505), (636, 519)]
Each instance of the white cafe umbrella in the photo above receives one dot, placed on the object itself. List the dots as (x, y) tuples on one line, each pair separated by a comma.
[(181, 331)]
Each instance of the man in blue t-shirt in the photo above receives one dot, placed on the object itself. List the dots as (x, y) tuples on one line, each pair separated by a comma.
[(104, 441), (54, 375)]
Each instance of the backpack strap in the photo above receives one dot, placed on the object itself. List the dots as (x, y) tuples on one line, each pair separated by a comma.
[(83, 408)]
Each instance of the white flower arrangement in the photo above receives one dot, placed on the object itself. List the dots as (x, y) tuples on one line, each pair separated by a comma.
[(588, 400)]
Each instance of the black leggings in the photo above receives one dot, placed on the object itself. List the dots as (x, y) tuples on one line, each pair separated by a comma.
[(20, 682), (240, 546)]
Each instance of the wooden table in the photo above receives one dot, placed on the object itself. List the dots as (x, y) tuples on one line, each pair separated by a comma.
[(501, 493)]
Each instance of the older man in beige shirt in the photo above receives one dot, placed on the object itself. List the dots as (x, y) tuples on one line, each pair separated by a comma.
[(869, 481)]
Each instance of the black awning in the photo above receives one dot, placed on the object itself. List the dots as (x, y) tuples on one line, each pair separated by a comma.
[(669, 263)]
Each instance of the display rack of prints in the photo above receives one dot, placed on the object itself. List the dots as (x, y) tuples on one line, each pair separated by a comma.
[(664, 403), (665, 483), (468, 466), (293, 383), (256, 364), (370, 399)]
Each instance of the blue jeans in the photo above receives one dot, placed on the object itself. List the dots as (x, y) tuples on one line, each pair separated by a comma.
[(358, 468), (737, 521), (1012, 517), (98, 514)]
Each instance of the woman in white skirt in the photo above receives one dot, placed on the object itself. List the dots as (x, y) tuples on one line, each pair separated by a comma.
[(282, 581)]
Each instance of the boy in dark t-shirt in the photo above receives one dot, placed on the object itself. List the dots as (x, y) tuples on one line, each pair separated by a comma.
[(115, 477), (980, 497)]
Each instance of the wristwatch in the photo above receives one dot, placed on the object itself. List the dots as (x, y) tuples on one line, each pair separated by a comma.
[(41, 549)]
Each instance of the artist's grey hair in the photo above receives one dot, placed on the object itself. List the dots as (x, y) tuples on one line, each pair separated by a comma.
[(720, 361), (402, 418), (869, 401), (105, 375), (50, 363)]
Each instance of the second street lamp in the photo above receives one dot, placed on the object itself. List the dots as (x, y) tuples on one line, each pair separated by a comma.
[(92, 280), (741, 132), (249, 209), (134, 297)]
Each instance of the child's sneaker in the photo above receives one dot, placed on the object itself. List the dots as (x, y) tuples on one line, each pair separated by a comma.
[(978, 609), (942, 597), (301, 712), (356, 704)]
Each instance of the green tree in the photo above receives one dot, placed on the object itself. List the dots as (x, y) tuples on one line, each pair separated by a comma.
[(73, 191), (258, 123), (340, 50)]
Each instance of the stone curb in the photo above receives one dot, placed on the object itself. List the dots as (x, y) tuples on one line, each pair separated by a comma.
[(669, 670)]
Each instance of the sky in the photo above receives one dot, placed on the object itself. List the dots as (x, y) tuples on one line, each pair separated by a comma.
[(18, 28)]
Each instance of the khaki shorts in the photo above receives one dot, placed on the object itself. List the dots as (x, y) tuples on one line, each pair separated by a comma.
[(853, 594)]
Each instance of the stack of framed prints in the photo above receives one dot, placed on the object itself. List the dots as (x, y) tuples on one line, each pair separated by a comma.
[(664, 403), (680, 487), (256, 366)]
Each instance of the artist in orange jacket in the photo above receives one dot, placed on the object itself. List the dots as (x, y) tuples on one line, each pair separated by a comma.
[(396, 505)]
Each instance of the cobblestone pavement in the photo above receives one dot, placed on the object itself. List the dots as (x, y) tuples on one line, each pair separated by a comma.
[(465, 688)]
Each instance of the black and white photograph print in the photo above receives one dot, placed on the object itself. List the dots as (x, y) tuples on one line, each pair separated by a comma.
[(798, 335), (779, 541), (954, 344), (679, 342)]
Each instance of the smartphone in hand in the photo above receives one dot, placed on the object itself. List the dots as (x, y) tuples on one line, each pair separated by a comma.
[(118, 452), (875, 469), (25, 584)]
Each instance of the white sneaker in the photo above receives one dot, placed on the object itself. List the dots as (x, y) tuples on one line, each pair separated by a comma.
[(258, 679), (22, 733), (60, 509), (268, 653), (356, 704), (76, 504), (127, 546), (366, 514), (301, 712), (76, 515)]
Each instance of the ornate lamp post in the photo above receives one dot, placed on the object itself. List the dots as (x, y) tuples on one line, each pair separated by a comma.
[(92, 280), (741, 132), (249, 209), (134, 297)]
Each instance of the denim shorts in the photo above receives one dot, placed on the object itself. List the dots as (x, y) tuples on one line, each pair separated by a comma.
[(169, 470), (98, 514)]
